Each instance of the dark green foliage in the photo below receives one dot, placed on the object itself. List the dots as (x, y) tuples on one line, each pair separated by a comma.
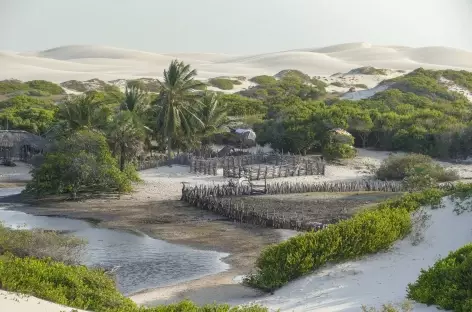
[(293, 74), (399, 167), (369, 70), (263, 80), (361, 85), (448, 283), (368, 232), (79, 163), (222, 83), (83, 288)]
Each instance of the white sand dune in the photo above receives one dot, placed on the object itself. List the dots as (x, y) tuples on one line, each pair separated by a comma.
[(82, 62), (378, 279), (12, 302)]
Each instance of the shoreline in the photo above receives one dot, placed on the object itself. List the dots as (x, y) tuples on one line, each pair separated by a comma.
[(196, 234)]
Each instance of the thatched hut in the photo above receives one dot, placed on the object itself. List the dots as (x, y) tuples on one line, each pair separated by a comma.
[(20, 145)]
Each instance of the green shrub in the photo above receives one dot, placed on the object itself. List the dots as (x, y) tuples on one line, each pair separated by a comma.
[(448, 283), (45, 86), (75, 85), (263, 80), (361, 85), (368, 232), (415, 168), (83, 288), (221, 83), (80, 163), (40, 244), (38, 93), (339, 146)]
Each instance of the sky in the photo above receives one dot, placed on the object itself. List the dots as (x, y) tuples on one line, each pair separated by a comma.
[(233, 27)]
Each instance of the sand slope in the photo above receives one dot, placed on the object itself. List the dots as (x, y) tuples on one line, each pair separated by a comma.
[(82, 62), (378, 279), (12, 302)]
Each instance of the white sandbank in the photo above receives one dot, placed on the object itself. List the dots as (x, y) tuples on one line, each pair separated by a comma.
[(12, 302)]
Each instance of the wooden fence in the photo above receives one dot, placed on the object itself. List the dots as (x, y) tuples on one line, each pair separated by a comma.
[(280, 165), (293, 187), (307, 167), (238, 212)]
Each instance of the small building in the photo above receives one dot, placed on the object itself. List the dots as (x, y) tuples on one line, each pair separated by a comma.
[(20, 145)]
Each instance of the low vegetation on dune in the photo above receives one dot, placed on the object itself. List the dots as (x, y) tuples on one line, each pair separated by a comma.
[(263, 80), (448, 283), (368, 232), (33, 87), (462, 78), (368, 70), (223, 83)]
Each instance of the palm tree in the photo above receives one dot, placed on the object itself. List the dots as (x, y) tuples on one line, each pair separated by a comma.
[(136, 100), (177, 101), (213, 117), (84, 112), (125, 136)]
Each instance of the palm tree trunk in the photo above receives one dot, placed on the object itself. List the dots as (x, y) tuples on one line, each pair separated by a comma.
[(122, 157), (169, 150)]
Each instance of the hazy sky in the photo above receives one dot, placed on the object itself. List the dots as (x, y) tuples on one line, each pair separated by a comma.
[(237, 26)]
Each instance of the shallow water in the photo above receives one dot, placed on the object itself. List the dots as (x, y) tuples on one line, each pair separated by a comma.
[(143, 262)]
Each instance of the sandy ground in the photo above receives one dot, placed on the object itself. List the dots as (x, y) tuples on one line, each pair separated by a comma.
[(11, 302), (108, 63), (155, 210)]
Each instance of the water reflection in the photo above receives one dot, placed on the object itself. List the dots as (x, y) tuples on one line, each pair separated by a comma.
[(143, 262)]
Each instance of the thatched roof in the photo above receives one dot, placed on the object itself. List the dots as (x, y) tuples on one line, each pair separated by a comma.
[(17, 138)]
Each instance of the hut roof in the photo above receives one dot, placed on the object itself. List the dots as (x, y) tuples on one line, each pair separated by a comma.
[(14, 138)]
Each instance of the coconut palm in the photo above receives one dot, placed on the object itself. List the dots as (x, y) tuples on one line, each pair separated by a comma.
[(177, 102), (84, 112), (136, 100), (125, 136), (213, 117)]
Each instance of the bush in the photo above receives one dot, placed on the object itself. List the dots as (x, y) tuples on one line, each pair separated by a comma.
[(361, 85), (221, 83), (81, 163), (339, 146), (448, 283), (45, 86), (263, 80), (367, 232), (82, 288), (40, 244), (415, 168)]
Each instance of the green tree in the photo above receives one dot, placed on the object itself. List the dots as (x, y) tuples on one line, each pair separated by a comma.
[(126, 135), (84, 112), (80, 163), (177, 102), (213, 116)]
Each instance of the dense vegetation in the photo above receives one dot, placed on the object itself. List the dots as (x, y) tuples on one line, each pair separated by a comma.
[(367, 232), (448, 283), (33, 87)]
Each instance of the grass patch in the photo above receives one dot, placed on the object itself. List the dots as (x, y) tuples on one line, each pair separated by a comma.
[(338, 84), (361, 85)]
